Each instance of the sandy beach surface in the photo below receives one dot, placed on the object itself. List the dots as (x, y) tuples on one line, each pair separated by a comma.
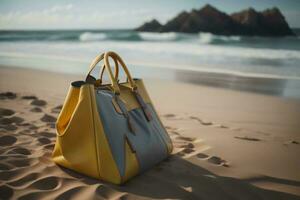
[(228, 144)]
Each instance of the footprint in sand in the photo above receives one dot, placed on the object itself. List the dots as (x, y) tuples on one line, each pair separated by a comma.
[(48, 183), (49, 147), (38, 102), (202, 155), (203, 122), (8, 95), (248, 138), (48, 118), (71, 193), (36, 109), (11, 120), (188, 150), (208, 123), (20, 150), (56, 109), (6, 112), (188, 145), (47, 134), (169, 115), (6, 192), (213, 159), (7, 140), (38, 186), (294, 142), (9, 127), (291, 142), (33, 127), (6, 175), (5, 167), (185, 145), (221, 126), (25, 180), (44, 140), (21, 162), (30, 97), (51, 125)]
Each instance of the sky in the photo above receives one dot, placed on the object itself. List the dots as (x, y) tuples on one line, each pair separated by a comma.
[(120, 14)]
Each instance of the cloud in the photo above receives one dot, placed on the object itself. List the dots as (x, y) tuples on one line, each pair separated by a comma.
[(59, 8), (55, 16), (70, 16)]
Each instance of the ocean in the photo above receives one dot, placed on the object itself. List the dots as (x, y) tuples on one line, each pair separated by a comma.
[(156, 55)]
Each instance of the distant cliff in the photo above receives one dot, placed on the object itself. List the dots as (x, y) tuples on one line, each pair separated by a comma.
[(248, 22)]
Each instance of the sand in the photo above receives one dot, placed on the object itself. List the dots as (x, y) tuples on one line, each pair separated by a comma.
[(228, 144)]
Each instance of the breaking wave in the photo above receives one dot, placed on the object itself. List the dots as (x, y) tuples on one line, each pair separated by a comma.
[(208, 38), (159, 36), (88, 36)]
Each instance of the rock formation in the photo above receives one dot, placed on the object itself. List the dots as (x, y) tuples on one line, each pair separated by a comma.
[(249, 22), (152, 26)]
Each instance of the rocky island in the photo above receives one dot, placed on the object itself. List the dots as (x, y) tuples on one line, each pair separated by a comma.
[(249, 22)]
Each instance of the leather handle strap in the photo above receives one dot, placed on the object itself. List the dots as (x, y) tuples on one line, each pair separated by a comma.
[(114, 83), (102, 70), (101, 73), (117, 57), (94, 63), (106, 65)]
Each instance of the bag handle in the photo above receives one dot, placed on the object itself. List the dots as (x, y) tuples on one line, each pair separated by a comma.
[(96, 61), (114, 83), (101, 73), (119, 59)]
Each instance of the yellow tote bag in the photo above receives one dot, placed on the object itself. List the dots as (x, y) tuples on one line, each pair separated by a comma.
[(110, 132)]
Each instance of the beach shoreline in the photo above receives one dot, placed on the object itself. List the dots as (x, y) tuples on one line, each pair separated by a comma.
[(229, 143), (281, 86)]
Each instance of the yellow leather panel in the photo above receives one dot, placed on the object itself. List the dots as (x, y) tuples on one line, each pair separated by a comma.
[(67, 110), (132, 166), (75, 145)]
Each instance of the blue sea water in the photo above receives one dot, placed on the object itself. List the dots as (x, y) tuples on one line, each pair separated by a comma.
[(71, 51)]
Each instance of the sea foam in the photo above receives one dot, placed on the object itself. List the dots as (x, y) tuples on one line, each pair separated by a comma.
[(159, 36), (88, 36), (208, 38)]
